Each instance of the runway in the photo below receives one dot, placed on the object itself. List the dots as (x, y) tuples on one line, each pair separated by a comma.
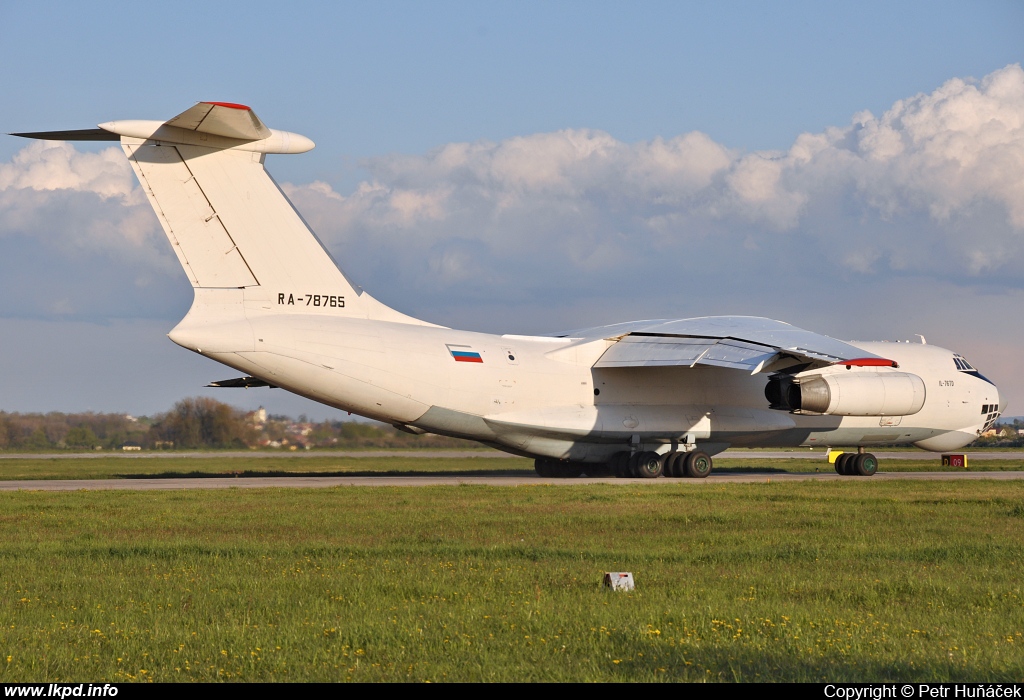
[(304, 482), (266, 454), (469, 454)]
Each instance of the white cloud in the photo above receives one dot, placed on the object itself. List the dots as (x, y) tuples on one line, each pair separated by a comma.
[(890, 225), (57, 165), (78, 201), (947, 150), (78, 238), (933, 186)]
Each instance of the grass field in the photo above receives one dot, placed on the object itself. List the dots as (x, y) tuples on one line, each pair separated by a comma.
[(127, 468), (72, 467), (852, 580)]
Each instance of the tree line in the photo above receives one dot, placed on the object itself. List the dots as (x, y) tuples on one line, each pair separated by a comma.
[(204, 423), (199, 423)]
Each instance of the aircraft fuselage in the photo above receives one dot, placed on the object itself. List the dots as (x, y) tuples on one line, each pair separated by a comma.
[(543, 397)]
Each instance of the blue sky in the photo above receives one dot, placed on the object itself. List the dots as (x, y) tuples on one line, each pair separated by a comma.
[(89, 286)]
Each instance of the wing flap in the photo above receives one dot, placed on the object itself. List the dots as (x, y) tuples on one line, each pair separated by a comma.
[(669, 351), (734, 342), (736, 354), (654, 351)]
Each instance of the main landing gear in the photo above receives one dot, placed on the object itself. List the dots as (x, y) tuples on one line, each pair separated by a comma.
[(853, 464), (638, 465), (651, 465), (556, 469)]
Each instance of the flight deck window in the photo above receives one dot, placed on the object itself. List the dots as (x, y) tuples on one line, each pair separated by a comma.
[(962, 364)]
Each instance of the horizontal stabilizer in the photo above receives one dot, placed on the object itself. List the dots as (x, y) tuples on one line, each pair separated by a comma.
[(228, 119), (241, 383), (71, 135)]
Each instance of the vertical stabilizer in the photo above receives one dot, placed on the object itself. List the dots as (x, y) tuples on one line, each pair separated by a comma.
[(227, 220)]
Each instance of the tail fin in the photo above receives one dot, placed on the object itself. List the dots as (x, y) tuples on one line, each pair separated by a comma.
[(227, 220)]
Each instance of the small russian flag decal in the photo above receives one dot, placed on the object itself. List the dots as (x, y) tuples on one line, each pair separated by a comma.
[(464, 353)]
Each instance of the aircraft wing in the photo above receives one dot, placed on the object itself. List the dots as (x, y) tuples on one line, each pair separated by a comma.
[(735, 342)]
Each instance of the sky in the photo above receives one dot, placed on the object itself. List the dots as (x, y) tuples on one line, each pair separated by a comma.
[(528, 167)]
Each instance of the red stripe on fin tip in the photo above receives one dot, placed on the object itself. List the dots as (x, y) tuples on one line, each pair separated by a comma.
[(229, 105)]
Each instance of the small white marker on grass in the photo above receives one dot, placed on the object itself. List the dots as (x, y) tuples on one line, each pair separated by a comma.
[(619, 580)]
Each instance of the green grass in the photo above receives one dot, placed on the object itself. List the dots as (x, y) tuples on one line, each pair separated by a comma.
[(854, 580), (284, 465)]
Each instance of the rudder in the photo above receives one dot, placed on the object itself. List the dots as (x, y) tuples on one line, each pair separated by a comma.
[(229, 223)]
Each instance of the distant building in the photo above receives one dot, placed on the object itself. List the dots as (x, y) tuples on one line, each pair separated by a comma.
[(131, 447)]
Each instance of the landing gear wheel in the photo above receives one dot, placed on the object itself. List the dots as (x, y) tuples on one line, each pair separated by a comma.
[(557, 469), (672, 464), (840, 462), (845, 464), (620, 465), (865, 465), (698, 465), (631, 472), (649, 465)]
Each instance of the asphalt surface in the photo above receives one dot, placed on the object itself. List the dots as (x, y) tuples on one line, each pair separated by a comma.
[(178, 484), (464, 454), (261, 454)]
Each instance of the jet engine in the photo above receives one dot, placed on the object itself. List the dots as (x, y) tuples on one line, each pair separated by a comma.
[(856, 394)]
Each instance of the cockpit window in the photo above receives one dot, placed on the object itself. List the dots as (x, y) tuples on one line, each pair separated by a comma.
[(962, 364)]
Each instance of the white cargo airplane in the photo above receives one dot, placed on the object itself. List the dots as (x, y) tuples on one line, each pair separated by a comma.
[(641, 399)]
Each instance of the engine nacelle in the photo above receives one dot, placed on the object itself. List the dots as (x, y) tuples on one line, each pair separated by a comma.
[(855, 394)]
